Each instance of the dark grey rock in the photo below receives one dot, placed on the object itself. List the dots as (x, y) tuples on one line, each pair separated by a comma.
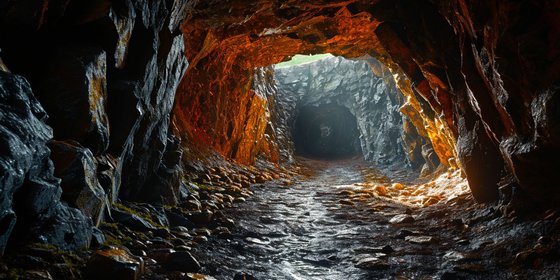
[(97, 238), (114, 263), (374, 101), (177, 219), (182, 261), (131, 220), (244, 276), (372, 263), (145, 89), (77, 168), (30, 207), (71, 85)]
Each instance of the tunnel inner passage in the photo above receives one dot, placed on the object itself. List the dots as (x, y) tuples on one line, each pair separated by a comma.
[(326, 131)]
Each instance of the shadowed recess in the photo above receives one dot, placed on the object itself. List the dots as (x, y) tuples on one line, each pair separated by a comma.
[(326, 131)]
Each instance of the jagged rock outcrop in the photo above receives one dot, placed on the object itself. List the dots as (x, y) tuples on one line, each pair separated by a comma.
[(77, 168), (106, 73), (480, 80), (465, 67), (353, 85), (30, 206)]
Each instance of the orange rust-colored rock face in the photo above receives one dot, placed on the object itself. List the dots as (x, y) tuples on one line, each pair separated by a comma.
[(480, 77), (225, 43)]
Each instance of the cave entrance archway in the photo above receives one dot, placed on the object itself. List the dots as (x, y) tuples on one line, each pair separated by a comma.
[(326, 131)]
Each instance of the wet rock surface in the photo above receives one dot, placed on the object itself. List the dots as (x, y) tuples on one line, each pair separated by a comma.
[(116, 263), (303, 231), (30, 205), (335, 81)]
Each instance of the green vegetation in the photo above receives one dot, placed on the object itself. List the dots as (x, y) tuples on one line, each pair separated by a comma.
[(299, 59), (11, 274), (144, 216)]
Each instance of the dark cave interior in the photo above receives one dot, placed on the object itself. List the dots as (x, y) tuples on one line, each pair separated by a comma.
[(327, 132)]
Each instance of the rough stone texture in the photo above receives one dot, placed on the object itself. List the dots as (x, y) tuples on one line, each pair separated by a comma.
[(150, 79), (106, 72), (71, 84), (30, 207), (105, 64), (77, 168), (351, 84), (479, 76), (487, 69), (224, 113), (114, 262)]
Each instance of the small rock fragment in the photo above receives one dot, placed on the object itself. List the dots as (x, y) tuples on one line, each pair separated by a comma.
[(372, 264), (182, 261), (420, 239), (114, 263), (401, 219)]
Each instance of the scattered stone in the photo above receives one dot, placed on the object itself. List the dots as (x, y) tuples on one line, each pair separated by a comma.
[(381, 190), (346, 202), (97, 238), (387, 249), (196, 276), (160, 254), (182, 261), (463, 242), (257, 240), (200, 239), (244, 276), (114, 263), (405, 232), (182, 248), (201, 217), (470, 267), (203, 232), (420, 239), (149, 261), (37, 275), (372, 263), (454, 256), (449, 275), (176, 219), (222, 232), (401, 219), (131, 220)]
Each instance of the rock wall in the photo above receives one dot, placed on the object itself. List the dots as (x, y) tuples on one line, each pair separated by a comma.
[(480, 78), (30, 205), (351, 84), (106, 74)]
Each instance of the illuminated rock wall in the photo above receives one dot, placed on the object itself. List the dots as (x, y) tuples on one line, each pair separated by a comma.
[(480, 77), (352, 84)]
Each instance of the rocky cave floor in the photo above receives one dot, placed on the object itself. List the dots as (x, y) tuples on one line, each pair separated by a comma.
[(318, 220)]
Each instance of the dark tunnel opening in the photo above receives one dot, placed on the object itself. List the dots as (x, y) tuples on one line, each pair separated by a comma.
[(327, 131)]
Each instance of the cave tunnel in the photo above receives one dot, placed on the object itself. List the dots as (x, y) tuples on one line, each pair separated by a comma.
[(327, 131), (156, 139)]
